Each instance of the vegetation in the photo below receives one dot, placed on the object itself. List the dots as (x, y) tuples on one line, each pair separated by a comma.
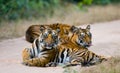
[(17, 15), (14, 9), (69, 15), (111, 66), (70, 70), (27, 9)]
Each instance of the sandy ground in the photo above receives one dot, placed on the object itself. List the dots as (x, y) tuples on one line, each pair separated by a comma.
[(106, 41)]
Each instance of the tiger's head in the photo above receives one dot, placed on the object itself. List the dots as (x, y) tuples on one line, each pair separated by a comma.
[(49, 38), (81, 36)]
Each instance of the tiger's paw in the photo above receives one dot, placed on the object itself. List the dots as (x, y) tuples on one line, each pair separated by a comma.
[(51, 64), (26, 63), (105, 58)]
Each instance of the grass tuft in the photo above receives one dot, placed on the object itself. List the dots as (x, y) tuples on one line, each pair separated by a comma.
[(110, 66)]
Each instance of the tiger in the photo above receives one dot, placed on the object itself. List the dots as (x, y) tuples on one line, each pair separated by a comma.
[(66, 32), (43, 49), (70, 54)]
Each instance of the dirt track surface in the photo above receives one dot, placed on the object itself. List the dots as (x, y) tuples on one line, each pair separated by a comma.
[(106, 41)]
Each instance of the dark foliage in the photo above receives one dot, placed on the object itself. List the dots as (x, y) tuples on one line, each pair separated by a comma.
[(16, 9)]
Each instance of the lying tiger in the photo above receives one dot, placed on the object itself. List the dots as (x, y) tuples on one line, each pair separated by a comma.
[(66, 32), (71, 55), (47, 50)]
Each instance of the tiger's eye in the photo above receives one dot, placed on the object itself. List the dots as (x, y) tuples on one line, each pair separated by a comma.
[(81, 41), (82, 34), (45, 35), (55, 36)]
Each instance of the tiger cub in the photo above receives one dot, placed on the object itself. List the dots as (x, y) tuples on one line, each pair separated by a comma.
[(43, 49), (66, 33), (80, 36), (70, 54)]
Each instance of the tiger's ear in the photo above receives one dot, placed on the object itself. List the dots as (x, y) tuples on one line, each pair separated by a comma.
[(42, 28), (74, 29), (88, 27), (80, 29)]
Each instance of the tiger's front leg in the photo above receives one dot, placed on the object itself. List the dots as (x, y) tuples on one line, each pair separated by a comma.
[(39, 62), (28, 59), (51, 64), (26, 55), (32, 62)]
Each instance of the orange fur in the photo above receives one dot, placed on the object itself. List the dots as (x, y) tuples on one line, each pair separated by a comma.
[(43, 49), (70, 54), (66, 33), (34, 31), (77, 54)]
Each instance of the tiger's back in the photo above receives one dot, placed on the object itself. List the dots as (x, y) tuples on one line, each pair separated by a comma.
[(34, 31), (70, 54)]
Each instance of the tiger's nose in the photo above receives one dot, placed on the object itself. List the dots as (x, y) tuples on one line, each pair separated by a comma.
[(89, 44), (49, 44)]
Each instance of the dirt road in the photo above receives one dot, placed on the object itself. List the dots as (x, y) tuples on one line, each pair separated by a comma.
[(106, 41)]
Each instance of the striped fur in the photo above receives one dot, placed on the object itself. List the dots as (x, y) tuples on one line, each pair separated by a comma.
[(81, 36), (67, 53), (43, 49), (70, 54), (34, 30)]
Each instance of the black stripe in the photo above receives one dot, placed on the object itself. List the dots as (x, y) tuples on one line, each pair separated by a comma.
[(58, 61), (37, 45), (88, 56), (57, 57), (33, 52), (81, 54), (78, 53), (46, 49), (33, 49), (92, 57), (68, 52), (84, 55), (62, 55), (31, 56)]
